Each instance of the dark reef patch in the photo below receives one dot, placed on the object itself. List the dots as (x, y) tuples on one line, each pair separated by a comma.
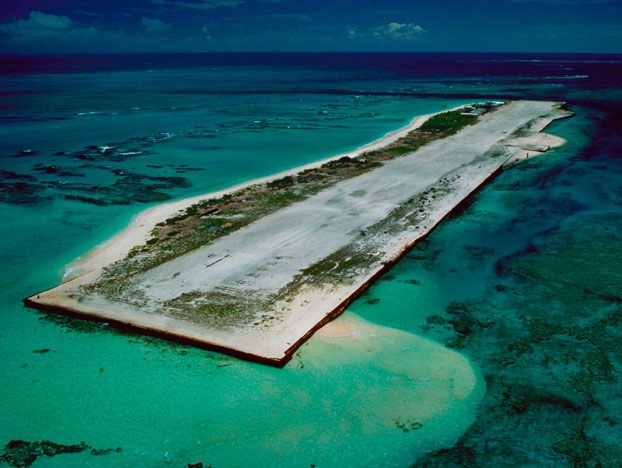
[(407, 425), (22, 193), (10, 175), (550, 348), (412, 281), (477, 252), (21, 453), (128, 188), (54, 170), (25, 153)]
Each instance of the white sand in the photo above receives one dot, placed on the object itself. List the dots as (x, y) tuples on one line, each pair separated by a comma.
[(260, 259), (141, 226)]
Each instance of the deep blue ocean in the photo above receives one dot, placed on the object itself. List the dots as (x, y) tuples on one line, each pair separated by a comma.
[(497, 341)]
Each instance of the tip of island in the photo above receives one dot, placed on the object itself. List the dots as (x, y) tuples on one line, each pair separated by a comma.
[(255, 270)]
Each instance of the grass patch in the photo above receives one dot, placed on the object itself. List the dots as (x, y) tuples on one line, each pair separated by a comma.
[(215, 309), (447, 123), (206, 221)]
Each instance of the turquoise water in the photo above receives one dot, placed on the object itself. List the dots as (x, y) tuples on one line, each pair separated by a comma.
[(340, 401), (457, 262), (240, 138), (428, 342), (526, 283)]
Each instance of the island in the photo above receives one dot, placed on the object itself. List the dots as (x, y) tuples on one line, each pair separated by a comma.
[(255, 270)]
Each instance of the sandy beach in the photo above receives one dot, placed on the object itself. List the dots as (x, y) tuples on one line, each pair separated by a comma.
[(377, 216), (140, 227)]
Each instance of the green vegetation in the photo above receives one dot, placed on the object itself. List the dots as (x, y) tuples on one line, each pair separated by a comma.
[(209, 220), (348, 262), (336, 269), (437, 127), (212, 308), (447, 123), (339, 266)]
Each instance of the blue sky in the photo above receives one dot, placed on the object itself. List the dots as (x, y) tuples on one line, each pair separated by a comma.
[(51, 26)]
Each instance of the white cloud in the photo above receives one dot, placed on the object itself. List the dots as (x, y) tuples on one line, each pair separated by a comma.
[(37, 24), (154, 24), (206, 33), (41, 26), (353, 33), (199, 4), (42, 31), (41, 20), (399, 31)]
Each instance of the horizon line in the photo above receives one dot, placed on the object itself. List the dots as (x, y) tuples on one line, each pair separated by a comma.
[(283, 52)]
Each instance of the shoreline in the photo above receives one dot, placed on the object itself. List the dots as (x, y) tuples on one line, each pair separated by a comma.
[(140, 226), (335, 302), (171, 335)]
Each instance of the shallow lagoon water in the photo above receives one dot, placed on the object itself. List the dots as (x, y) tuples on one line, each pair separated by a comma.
[(380, 397), (526, 283), (457, 262), (342, 400)]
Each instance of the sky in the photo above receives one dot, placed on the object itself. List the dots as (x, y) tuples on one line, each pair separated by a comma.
[(119, 26)]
